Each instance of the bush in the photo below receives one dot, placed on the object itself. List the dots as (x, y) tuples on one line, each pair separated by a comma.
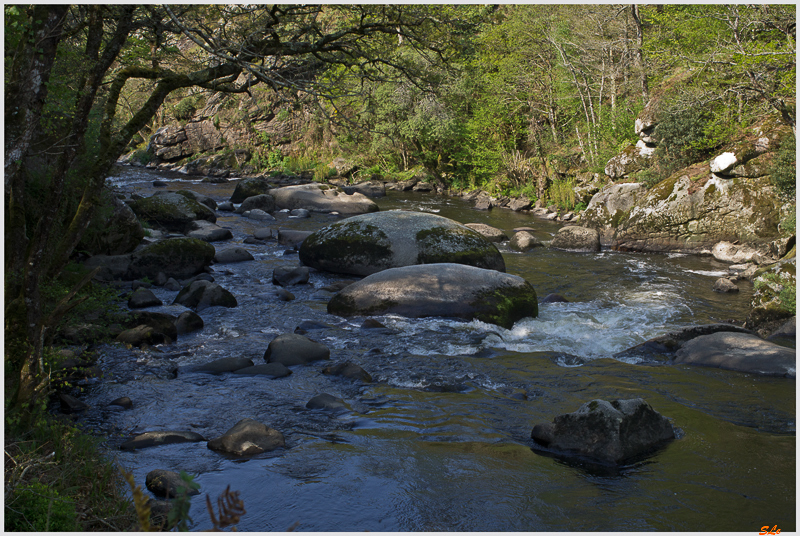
[(562, 193), (37, 507), (784, 168)]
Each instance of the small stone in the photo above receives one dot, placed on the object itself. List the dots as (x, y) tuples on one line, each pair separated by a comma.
[(725, 285)]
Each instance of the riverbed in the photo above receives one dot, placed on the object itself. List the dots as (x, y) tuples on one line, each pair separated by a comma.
[(440, 440)]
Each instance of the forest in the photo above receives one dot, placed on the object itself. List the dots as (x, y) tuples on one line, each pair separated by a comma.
[(517, 100)]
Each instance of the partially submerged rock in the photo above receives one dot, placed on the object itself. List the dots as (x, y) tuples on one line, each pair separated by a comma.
[(292, 349), (367, 244), (322, 198), (606, 432), (575, 238), (167, 484), (154, 439), (492, 234), (246, 438), (171, 211), (200, 295), (524, 241), (176, 257), (448, 290), (738, 351)]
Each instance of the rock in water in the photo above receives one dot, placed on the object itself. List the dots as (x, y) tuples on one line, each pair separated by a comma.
[(322, 198), (202, 294), (449, 290), (574, 238), (292, 349), (366, 244), (248, 437), (739, 351), (168, 484), (608, 432)]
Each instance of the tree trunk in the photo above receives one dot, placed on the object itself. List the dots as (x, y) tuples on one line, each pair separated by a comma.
[(638, 55)]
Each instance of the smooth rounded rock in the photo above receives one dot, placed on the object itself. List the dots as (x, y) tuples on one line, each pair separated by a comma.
[(200, 295), (524, 241), (163, 483), (492, 234), (246, 438), (322, 198), (293, 349), (574, 238), (158, 438), (142, 297), (738, 351), (231, 255)]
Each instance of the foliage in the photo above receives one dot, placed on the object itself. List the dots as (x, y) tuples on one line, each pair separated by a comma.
[(784, 168), (36, 507), (231, 509), (562, 193), (179, 512), (784, 288)]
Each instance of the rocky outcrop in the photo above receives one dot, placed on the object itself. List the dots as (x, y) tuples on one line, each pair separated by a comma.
[(246, 438), (367, 244), (631, 159), (606, 432), (610, 206), (447, 290), (738, 351), (322, 198), (775, 293), (171, 211)]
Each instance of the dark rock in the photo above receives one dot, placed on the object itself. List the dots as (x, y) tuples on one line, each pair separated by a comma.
[(232, 255), (141, 335), (371, 323), (172, 285), (265, 233), (668, 344), (290, 237), (519, 204), (155, 439), (160, 280), (448, 290), (348, 370), (258, 214), (374, 189), (263, 202), (119, 233), (208, 232), (293, 349), (284, 295), (607, 432), (248, 437), (188, 321), (738, 351), (786, 335), (200, 198), (112, 267), (123, 402), (171, 211), (249, 188), (141, 284), (168, 484), (325, 401), (220, 366), (202, 294), (286, 276), (177, 257), (310, 325), (70, 404), (161, 322), (226, 206), (555, 298), (142, 297), (276, 370), (299, 213)]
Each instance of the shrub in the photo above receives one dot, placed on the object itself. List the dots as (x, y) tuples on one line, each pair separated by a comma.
[(784, 168), (37, 507), (561, 193)]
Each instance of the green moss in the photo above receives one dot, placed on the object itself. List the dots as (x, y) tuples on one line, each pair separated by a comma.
[(347, 242), (504, 306), (344, 305), (593, 405), (456, 245)]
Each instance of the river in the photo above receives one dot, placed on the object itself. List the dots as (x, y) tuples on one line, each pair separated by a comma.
[(440, 440)]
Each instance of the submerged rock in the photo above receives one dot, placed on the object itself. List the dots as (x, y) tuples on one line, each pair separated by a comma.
[(364, 245), (348, 370), (448, 290), (248, 437), (607, 432), (739, 351), (327, 402), (276, 370)]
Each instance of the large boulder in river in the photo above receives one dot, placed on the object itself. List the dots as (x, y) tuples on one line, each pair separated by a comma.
[(248, 188), (248, 437), (171, 211), (366, 244), (292, 349), (200, 295), (208, 232), (606, 432), (116, 230), (322, 198), (448, 290), (574, 238), (263, 202), (739, 351), (177, 257)]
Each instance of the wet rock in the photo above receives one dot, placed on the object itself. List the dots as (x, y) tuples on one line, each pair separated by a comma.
[(220, 366), (669, 343), (248, 188), (200, 295), (265, 233), (200, 198), (348, 370), (258, 214), (171, 211), (284, 295), (366, 244), (161, 322), (263, 202), (188, 321), (123, 402), (291, 237), (163, 483), (276, 370), (70, 404), (292, 349), (322, 198), (738, 351), (327, 402), (786, 335), (555, 298), (231, 255), (142, 297), (172, 285), (491, 234), (607, 432), (141, 335), (208, 232), (159, 514), (520, 203), (287, 276), (246, 438), (176, 257), (723, 284), (524, 241), (374, 189), (448, 290), (226, 206), (160, 280), (310, 325), (575, 238), (158, 438)]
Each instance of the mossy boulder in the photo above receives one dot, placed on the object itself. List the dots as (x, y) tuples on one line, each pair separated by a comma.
[(775, 296), (447, 290), (114, 231), (177, 257), (366, 244), (171, 211), (322, 198), (250, 188)]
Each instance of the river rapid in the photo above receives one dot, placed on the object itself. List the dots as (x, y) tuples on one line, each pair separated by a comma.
[(440, 440)]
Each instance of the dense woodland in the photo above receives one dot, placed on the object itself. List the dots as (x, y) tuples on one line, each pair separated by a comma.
[(514, 99)]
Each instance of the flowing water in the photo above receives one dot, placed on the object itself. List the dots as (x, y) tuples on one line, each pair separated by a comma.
[(440, 440)]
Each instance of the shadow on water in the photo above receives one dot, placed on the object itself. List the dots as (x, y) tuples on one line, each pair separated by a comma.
[(440, 440)]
